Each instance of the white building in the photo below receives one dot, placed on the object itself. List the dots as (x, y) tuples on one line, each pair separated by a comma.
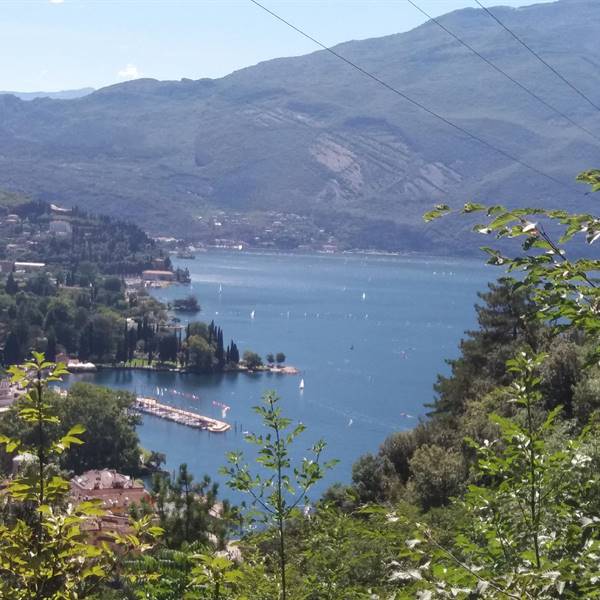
[(8, 394)]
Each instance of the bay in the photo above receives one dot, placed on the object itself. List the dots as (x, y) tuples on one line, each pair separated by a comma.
[(368, 333)]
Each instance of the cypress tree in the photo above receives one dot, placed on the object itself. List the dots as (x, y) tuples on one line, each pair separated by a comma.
[(51, 346), (13, 353), (235, 354), (12, 287), (220, 353)]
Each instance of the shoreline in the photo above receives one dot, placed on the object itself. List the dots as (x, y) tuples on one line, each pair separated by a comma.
[(285, 370), (406, 255)]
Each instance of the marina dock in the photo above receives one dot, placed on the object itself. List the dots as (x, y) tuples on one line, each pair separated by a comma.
[(150, 406)]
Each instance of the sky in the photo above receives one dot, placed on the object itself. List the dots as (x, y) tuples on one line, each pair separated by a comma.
[(50, 45)]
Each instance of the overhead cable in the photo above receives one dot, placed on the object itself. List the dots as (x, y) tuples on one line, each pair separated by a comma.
[(538, 57), (504, 73), (412, 101)]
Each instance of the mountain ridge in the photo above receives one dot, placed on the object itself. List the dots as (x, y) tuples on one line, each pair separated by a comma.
[(59, 95), (309, 142)]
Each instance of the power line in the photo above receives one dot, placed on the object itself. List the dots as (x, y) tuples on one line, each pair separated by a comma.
[(504, 73), (416, 103), (532, 51)]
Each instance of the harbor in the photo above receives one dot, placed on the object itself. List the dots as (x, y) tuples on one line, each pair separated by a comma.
[(152, 407)]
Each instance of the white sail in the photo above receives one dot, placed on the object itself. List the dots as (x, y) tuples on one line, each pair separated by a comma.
[(301, 386), (364, 296), (252, 314), (220, 289)]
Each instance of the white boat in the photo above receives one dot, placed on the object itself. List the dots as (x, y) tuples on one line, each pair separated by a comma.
[(301, 386), (220, 289), (252, 314), (364, 296)]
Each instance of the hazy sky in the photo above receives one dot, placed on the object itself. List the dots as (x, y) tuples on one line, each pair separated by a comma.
[(63, 44)]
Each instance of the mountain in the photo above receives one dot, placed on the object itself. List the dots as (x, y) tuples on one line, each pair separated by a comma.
[(62, 95), (303, 148)]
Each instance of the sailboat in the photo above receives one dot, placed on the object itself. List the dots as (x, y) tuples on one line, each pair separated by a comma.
[(252, 314), (364, 296), (301, 386), (220, 289)]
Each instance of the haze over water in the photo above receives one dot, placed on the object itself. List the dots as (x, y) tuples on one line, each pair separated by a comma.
[(369, 334)]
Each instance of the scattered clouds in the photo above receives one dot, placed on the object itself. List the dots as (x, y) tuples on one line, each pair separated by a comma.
[(130, 71)]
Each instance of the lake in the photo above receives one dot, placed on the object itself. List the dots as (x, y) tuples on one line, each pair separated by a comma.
[(369, 334)]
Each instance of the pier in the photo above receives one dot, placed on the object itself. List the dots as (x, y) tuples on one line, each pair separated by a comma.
[(150, 406)]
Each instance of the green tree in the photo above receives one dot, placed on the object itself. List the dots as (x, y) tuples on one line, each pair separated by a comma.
[(44, 553), (41, 285), (374, 478), (167, 347), (187, 510), (506, 322), (13, 352), (12, 287), (437, 475), (51, 346), (280, 358), (252, 360), (279, 493), (111, 440), (528, 530), (200, 353)]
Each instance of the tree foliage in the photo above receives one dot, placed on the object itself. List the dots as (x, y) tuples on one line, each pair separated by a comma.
[(44, 552)]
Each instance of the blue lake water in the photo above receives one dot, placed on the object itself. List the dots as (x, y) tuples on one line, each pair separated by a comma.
[(369, 334)]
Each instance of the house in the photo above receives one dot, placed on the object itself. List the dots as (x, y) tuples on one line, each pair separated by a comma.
[(60, 228), (101, 529), (8, 394), (59, 209), (29, 267), (116, 491), (152, 275), (159, 263)]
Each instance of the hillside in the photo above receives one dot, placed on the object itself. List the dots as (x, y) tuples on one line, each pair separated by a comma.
[(300, 148)]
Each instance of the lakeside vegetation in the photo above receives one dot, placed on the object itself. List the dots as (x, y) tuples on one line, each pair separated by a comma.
[(71, 286), (494, 495)]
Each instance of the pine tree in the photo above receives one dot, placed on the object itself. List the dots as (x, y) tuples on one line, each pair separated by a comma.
[(506, 324)]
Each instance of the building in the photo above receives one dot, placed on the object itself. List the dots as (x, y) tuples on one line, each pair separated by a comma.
[(29, 267), (59, 209), (8, 394), (60, 228), (101, 529), (152, 275), (116, 491)]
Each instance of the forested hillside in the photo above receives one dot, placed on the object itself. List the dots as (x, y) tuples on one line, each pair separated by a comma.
[(71, 285), (494, 496), (307, 151)]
